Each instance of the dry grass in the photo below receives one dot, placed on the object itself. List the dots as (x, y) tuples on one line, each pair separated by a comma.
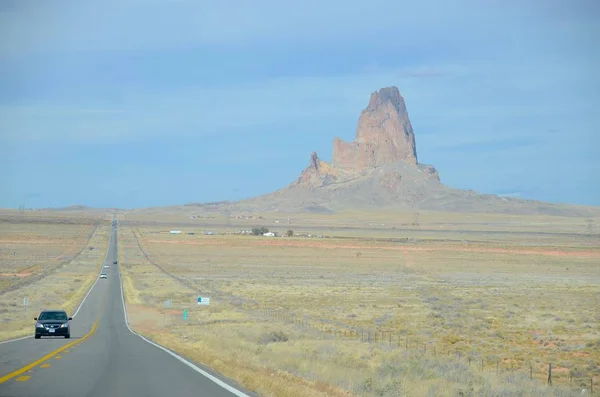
[(61, 262), (29, 249), (289, 317)]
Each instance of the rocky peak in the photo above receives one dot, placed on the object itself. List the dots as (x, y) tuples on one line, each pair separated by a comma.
[(386, 96), (317, 174), (384, 135)]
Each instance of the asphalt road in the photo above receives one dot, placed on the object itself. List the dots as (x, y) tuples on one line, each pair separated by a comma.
[(103, 357)]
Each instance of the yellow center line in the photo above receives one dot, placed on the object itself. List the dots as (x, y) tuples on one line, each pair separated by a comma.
[(22, 378), (45, 365), (47, 356), (55, 352)]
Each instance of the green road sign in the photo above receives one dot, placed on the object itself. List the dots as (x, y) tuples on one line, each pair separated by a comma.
[(185, 315)]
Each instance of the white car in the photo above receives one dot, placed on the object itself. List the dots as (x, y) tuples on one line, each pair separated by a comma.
[(103, 275), (106, 266)]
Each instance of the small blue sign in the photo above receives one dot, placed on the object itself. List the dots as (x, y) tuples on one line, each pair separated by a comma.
[(185, 314)]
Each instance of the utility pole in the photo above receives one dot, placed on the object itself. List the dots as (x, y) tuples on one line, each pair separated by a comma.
[(416, 221), (590, 226)]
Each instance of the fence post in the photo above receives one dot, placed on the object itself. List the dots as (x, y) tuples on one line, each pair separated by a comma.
[(550, 374), (530, 371)]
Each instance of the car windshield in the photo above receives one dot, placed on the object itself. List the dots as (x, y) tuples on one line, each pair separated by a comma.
[(53, 316)]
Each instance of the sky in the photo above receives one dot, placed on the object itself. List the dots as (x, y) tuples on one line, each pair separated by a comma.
[(143, 103)]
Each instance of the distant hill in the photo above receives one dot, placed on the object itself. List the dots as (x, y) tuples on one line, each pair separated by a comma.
[(380, 169)]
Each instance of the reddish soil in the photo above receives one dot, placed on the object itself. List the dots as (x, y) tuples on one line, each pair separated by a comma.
[(520, 251), (214, 242), (406, 249)]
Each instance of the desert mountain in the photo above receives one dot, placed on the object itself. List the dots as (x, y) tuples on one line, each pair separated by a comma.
[(379, 169)]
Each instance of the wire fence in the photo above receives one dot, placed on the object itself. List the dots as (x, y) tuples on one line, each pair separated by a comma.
[(393, 340)]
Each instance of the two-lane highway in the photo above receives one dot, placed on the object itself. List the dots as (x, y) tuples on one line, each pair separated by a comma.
[(103, 357)]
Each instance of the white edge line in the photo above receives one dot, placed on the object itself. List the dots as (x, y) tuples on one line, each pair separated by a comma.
[(15, 340), (84, 298), (181, 359)]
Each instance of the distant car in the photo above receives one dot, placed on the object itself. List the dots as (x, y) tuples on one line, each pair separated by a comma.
[(52, 323), (115, 262), (106, 266), (103, 275)]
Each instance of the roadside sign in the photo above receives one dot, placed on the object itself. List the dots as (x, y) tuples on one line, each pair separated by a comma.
[(185, 315), (25, 301), (203, 300), (168, 303)]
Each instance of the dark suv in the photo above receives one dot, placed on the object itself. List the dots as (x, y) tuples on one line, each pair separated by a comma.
[(53, 323)]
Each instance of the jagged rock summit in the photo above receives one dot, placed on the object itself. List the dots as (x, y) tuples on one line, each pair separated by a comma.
[(384, 135), (384, 140)]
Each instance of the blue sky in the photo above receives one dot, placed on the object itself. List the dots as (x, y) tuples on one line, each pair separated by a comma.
[(136, 103)]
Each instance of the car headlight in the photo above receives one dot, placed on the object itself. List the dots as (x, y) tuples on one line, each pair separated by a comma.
[(65, 325), (39, 325)]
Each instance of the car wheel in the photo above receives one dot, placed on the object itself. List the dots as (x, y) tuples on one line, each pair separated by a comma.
[(67, 336), (38, 336)]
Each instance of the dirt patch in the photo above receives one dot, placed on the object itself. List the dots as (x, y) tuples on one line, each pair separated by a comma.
[(554, 252), (144, 319)]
